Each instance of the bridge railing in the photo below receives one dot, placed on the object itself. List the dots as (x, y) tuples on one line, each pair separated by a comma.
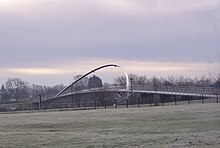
[(91, 90), (177, 89), (157, 88)]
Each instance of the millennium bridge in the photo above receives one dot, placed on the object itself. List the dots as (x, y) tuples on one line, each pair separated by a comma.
[(121, 94)]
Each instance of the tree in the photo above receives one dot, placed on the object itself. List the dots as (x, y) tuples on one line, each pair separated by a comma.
[(17, 89), (136, 80), (4, 97), (120, 80), (82, 84), (218, 80), (215, 79), (46, 91)]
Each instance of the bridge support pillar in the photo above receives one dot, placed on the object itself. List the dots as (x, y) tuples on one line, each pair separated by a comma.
[(175, 99), (162, 100), (39, 107), (84, 105), (138, 102), (94, 104), (116, 103), (189, 100), (105, 104), (202, 99), (156, 99)]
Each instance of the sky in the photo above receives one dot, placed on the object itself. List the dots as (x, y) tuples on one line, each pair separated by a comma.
[(49, 41)]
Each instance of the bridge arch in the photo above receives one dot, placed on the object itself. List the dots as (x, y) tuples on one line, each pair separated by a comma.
[(94, 70)]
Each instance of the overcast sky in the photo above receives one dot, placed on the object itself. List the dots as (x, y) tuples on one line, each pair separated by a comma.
[(49, 41)]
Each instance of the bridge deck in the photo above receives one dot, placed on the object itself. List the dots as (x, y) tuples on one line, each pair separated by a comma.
[(180, 91)]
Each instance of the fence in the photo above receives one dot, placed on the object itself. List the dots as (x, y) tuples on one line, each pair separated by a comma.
[(104, 104)]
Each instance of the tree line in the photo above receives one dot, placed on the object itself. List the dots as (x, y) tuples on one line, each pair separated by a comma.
[(17, 90), (213, 80)]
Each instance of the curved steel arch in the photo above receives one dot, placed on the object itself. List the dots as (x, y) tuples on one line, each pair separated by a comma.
[(94, 70)]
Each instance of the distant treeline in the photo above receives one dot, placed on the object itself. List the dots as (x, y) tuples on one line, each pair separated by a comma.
[(211, 80), (17, 90)]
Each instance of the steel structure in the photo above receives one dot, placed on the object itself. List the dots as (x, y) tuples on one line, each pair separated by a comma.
[(147, 89), (94, 70), (162, 89)]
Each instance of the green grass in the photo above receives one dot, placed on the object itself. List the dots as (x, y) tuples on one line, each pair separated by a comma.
[(196, 125)]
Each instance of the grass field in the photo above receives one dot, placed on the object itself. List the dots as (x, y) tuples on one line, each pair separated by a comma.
[(195, 125)]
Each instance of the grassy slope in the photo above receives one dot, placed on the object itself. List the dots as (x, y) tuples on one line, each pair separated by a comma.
[(179, 126)]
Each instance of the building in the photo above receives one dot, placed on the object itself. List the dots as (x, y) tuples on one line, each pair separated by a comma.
[(94, 82)]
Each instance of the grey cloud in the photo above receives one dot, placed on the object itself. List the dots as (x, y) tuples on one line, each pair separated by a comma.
[(57, 31)]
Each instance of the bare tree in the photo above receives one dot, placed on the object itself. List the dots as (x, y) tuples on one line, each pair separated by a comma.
[(4, 96), (218, 80), (46, 91), (136, 80), (17, 89), (215, 79), (82, 84), (120, 80)]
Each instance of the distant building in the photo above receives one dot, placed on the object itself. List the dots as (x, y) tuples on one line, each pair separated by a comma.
[(94, 82)]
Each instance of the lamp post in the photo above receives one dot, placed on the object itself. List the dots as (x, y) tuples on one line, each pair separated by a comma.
[(131, 81), (72, 95)]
